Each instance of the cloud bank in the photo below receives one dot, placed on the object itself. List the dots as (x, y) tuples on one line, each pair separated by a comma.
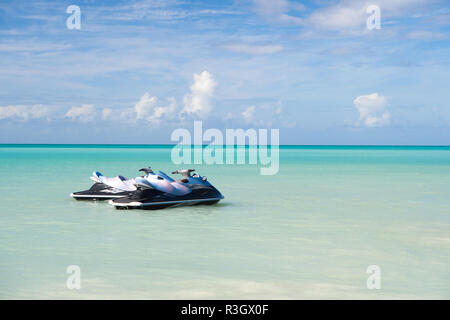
[(85, 113), (24, 113), (148, 108)]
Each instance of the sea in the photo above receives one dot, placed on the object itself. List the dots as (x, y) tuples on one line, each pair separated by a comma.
[(335, 222)]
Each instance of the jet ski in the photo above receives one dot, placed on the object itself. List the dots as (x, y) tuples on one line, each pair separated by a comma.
[(158, 191), (105, 188)]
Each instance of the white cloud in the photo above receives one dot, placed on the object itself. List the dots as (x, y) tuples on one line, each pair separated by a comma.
[(148, 109), (85, 113), (13, 112), (372, 110), (381, 121), (198, 101), (343, 19), (268, 114), (19, 112), (253, 48), (349, 17), (106, 113), (248, 113), (166, 112), (278, 10), (39, 111), (145, 105), (24, 113)]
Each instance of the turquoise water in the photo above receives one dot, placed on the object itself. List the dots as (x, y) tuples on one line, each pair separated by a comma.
[(308, 232)]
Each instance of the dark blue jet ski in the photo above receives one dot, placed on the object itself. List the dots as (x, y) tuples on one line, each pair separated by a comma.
[(158, 191)]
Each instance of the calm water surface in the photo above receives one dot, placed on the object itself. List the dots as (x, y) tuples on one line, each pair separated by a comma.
[(310, 231)]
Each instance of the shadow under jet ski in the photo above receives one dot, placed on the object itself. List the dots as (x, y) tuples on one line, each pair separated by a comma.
[(161, 191)]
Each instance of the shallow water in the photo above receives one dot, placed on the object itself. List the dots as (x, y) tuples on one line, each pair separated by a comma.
[(310, 231)]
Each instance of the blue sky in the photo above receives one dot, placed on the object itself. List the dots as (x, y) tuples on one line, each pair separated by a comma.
[(137, 70)]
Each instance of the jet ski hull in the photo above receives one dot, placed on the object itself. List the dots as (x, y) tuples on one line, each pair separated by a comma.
[(152, 199), (99, 192), (163, 204)]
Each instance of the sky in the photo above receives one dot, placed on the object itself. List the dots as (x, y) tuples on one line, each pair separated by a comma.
[(322, 72)]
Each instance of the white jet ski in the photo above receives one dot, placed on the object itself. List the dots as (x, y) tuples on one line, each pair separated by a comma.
[(105, 188)]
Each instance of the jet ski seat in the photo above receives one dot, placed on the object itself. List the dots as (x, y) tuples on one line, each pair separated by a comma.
[(119, 182), (165, 176), (167, 185)]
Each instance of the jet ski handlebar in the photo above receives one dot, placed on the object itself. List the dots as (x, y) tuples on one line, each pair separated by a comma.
[(146, 170), (184, 173)]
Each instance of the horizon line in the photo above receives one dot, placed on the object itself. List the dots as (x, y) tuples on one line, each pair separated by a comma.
[(223, 145)]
